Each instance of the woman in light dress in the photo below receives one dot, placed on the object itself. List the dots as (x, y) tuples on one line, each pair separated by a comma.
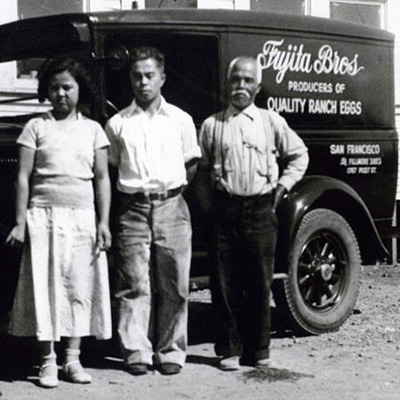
[(62, 219)]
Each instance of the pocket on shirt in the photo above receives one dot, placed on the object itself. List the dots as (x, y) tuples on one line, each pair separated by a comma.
[(267, 162)]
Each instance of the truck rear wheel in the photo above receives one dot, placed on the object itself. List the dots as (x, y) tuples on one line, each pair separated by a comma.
[(324, 274)]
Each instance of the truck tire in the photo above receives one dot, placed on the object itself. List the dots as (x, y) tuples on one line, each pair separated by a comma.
[(324, 274)]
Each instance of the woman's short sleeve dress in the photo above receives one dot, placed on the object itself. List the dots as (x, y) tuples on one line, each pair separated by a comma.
[(63, 287)]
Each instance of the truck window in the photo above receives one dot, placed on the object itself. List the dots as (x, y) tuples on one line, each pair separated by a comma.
[(191, 68)]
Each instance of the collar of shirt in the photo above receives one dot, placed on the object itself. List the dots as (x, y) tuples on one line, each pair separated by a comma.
[(50, 115), (251, 112), (134, 108)]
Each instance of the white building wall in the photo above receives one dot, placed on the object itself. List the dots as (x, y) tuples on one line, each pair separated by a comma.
[(108, 5), (224, 4), (319, 8), (8, 11)]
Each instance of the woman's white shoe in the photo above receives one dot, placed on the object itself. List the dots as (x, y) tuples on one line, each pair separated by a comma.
[(75, 373), (48, 376)]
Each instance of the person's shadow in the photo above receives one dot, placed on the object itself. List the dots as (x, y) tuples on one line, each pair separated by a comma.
[(20, 356), (201, 329)]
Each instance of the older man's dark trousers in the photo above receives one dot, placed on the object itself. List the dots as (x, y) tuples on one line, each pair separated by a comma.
[(244, 241)]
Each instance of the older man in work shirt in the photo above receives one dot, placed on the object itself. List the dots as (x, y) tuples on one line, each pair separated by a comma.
[(239, 182)]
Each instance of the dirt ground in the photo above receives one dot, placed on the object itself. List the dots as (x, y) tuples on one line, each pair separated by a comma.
[(361, 361)]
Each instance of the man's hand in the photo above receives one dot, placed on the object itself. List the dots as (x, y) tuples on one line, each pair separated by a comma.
[(280, 192)]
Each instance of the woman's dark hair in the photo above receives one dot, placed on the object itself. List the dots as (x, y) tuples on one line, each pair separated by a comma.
[(87, 90)]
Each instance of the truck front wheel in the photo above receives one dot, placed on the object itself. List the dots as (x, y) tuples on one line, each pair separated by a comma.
[(324, 273)]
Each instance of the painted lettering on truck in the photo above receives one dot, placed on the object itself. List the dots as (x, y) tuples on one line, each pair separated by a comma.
[(281, 56), (295, 59)]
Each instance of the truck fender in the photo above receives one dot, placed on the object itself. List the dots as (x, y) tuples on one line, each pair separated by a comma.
[(317, 191)]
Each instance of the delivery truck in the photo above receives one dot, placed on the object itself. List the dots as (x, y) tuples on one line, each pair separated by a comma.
[(332, 81)]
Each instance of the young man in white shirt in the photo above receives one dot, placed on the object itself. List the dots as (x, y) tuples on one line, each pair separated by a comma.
[(154, 146)]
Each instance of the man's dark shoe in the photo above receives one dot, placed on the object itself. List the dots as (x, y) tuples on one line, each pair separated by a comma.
[(247, 361), (169, 368), (137, 369)]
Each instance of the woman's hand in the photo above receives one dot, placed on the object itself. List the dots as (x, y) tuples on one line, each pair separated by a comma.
[(103, 237), (16, 238)]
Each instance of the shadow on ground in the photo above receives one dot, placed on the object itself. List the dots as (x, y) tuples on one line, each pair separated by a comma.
[(20, 356)]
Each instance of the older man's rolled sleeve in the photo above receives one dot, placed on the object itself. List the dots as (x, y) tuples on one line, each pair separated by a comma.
[(292, 150), (294, 171)]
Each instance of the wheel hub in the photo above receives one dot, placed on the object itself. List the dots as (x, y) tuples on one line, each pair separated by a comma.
[(326, 271)]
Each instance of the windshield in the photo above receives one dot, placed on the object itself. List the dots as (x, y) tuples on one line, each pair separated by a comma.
[(19, 87), (25, 45)]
